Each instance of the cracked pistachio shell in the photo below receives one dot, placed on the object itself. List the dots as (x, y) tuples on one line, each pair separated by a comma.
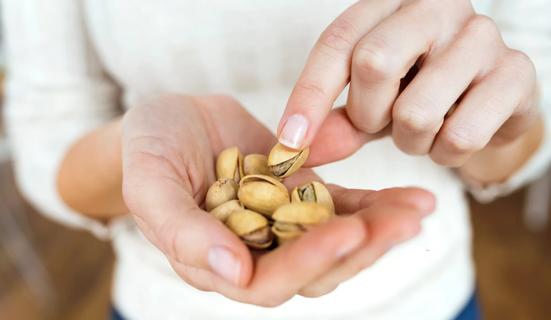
[(230, 164), (313, 192), (286, 231), (251, 227), (283, 161), (223, 211), (256, 164), (294, 219), (263, 194), (223, 190)]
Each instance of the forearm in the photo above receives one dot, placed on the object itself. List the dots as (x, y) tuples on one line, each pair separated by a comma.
[(494, 164), (90, 176)]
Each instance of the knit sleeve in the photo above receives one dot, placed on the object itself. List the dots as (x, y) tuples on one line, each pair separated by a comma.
[(56, 91)]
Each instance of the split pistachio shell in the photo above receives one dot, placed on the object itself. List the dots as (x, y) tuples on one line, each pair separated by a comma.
[(256, 164), (223, 211), (313, 192), (223, 190), (251, 227), (262, 194), (287, 231), (230, 164), (283, 161), (294, 219)]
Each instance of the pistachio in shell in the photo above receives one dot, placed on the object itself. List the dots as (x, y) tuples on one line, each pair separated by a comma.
[(230, 164), (223, 190), (291, 220), (283, 161), (256, 164), (251, 227), (223, 211), (263, 194), (313, 192)]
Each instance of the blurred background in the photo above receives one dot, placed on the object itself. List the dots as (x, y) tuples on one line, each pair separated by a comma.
[(50, 272)]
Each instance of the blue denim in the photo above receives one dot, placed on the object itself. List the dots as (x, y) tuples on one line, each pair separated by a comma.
[(471, 311)]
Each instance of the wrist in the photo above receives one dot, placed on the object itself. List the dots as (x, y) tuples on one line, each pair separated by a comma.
[(90, 175)]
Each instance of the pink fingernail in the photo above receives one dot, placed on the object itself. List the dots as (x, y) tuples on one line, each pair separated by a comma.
[(224, 263), (294, 131)]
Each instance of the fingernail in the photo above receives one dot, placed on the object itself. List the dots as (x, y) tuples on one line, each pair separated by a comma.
[(294, 131), (224, 263), (349, 246)]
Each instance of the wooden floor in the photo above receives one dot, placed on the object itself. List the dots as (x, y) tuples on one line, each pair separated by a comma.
[(70, 278), (513, 264)]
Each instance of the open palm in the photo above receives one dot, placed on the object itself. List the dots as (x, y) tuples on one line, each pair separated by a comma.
[(169, 147)]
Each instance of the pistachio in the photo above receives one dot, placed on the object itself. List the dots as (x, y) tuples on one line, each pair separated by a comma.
[(223, 211), (262, 194), (230, 164), (256, 164), (223, 190), (283, 161), (251, 227), (293, 219), (313, 192)]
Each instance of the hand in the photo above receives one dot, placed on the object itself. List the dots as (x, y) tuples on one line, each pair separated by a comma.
[(434, 73), (169, 149)]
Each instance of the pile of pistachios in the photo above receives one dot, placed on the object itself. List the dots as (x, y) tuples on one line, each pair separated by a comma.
[(250, 198)]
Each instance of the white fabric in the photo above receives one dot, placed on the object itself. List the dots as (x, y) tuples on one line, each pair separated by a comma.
[(59, 53)]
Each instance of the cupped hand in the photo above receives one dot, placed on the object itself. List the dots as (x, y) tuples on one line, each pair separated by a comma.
[(434, 73), (169, 149)]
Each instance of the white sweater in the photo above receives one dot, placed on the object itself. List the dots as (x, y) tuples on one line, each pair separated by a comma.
[(71, 63)]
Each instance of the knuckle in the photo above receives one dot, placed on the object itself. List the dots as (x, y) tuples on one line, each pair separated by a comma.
[(370, 59), (337, 37), (521, 65), (459, 141), (482, 27), (412, 120), (517, 57)]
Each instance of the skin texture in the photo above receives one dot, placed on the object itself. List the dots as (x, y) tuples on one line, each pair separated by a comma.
[(405, 71), (168, 149), (408, 64)]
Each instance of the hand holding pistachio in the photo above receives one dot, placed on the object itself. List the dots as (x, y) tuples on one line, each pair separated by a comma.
[(261, 200), (206, 254)]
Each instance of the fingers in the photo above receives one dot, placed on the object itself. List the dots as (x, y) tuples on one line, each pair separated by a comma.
[(381, 59), (337, 127), (281, 273), (348, 201), (419, 111), (503, 93), (169, 216), (327, 71), (388, 223)]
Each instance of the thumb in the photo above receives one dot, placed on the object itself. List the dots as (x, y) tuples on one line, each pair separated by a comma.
[(171, 219), (338, 138)]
